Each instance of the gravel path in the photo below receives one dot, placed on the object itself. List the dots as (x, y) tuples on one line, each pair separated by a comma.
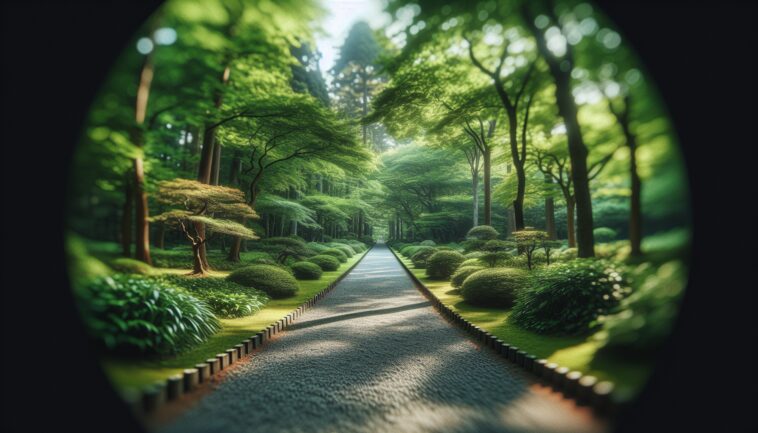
[(374, 356)]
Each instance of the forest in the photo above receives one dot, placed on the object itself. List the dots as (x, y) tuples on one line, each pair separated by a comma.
[(515, 155)]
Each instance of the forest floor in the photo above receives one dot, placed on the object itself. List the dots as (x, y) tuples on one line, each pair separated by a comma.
[(132, 374), (374, 356), (575, 353)]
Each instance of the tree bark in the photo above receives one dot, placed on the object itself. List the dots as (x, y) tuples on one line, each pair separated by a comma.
[(487, 162), (570, 222), (216, 163), (475, 198), (560, 70), (160, 240), (126, 219), (550, 218)]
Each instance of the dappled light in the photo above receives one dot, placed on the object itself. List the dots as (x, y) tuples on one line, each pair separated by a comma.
[(499, 166)]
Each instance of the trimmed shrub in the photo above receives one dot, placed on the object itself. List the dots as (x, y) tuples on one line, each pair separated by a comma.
[(271, 262), (472, 245), (493, 259), (643, 320), (130, 266), (495, 287), (410, 250), (442, 264), (347, 249), (496, 245), (359, 247), (367, 240), (473, 255), (604, 234), (472, 262), (275, 282), (428, 243), (462, 273), (421, 255), (285, 248), (306, 271), (567, 298), (315, 246), (484, 233), (131, 314), (226, 298), (336, 253), (325, 262)]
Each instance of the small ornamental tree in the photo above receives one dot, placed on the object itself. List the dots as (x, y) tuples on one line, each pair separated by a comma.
[(484, 233), (548, 246), (528, 241), (212, 205)]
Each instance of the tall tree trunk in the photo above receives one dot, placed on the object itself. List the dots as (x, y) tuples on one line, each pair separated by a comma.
[(511, 220), (126, 219), (518, 202), (198, 266), (475, 199), (142, 226), (570, 222), (487, 162), (560, 69), (234, 168), (550, 218), (216, 163), (160, 240)]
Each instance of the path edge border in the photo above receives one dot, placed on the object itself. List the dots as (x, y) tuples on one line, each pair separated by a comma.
[(151, 398), (584, 389)]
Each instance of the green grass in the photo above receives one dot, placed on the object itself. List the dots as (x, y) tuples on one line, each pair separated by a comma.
[(575, 353), (131, 374)]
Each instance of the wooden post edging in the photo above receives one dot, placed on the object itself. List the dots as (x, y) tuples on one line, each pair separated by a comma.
[(584, 389), (151, 398)]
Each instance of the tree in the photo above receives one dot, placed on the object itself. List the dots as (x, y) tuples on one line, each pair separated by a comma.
[(211, 205), (560, 64), (528, 241)]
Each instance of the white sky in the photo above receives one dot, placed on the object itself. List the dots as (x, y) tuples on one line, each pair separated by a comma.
[(342, 14)]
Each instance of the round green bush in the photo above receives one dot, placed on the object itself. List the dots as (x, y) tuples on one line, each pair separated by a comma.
[(496, 245), (462, 273), (604, 234), (567, 298), (442, 264), (130, 266), (472, 262), (359, 247), (131, 314), (428, 243), (274, 281), (317, 247), (473, 245), (568, 254), (494, 287), (410, 250), (326, 263), (334, 252), (227, 299), (484, 233), (306, 271), (346, 249), (269, 261), (421, 255)]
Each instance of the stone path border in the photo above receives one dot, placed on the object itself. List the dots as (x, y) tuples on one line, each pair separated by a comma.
[(153, 397), (585, 389)]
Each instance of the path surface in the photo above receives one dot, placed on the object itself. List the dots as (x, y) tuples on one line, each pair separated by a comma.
[(374, 356)]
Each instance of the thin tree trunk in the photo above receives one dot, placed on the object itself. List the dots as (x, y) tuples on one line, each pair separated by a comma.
[(475, 198), (216, 163), (570, 223), (487, 154), (160, 241), (126, 219), (550, 218), (560, 69)]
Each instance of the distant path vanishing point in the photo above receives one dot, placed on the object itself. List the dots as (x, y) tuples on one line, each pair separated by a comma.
[(374, 356)]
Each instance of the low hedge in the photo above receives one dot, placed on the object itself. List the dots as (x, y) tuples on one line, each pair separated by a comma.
[(567, 298), (275, 282), (462, 273), (325, 262), (336, 253), (442, 264), (227, 299), (421, 255), (307, 271), (494, 287)]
